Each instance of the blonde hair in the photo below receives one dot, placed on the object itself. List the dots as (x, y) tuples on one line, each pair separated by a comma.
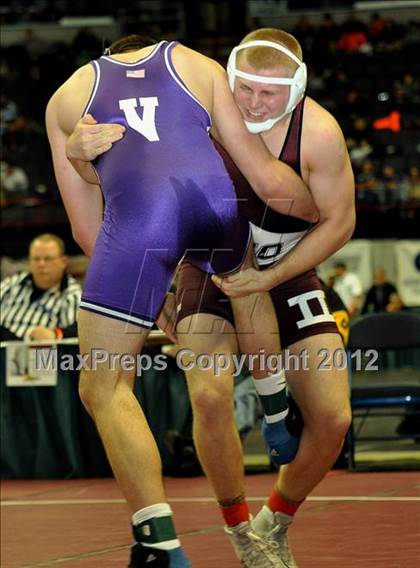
[(48, 237), (267, 58)]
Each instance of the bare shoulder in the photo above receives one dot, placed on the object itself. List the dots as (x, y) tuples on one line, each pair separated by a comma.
[(318, 120), (69, 101), (199, 73), (184, 52), (203, 67), (321, 133)]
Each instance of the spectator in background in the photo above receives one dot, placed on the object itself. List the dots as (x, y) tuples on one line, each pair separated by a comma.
[(328, 30), (406, 100), (34, 43), (393, 187), (14, 181), (359, 128), (305, 33), (414, 184), (413, 203), (42, 303), (367, 184), (360, 151), (328, 34), (325, 42), (354, 36), (85, 45), (378, 295), (8, 112), (411, 85), (412, 36), (354, 104), (348, 287), (376, 26), (395, 303), (391, 36)]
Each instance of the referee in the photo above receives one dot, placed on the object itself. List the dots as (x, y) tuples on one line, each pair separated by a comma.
[(42, 303)]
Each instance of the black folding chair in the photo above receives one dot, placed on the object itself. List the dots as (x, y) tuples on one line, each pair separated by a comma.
[(380, 332)]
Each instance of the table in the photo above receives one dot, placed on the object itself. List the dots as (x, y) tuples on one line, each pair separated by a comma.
[(47, 433)]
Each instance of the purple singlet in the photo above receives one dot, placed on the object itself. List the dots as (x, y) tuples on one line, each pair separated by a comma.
[(167, 193)]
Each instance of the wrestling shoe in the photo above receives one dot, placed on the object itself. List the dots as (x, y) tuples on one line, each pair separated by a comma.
[(147, 557), (252, 551), (273, 527)]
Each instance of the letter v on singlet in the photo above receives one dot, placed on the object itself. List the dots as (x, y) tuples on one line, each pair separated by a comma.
[(146, 125)]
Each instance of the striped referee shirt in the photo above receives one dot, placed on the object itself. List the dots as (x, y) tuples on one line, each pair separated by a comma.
[(23, 306)]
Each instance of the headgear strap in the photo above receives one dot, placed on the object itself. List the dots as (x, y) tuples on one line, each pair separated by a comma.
[(297, 82)]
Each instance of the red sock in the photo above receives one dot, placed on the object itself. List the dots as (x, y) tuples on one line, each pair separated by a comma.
[(278, 504), (236, 514)]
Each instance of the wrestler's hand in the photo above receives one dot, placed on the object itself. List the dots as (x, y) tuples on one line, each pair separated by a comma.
[(41, 333), (248, 281), (90, 139), (167, 317)]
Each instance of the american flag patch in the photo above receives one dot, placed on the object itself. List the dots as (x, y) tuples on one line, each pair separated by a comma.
[(136, 74)]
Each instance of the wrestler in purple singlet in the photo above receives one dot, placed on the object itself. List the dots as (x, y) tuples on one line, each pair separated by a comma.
[(165, 187)]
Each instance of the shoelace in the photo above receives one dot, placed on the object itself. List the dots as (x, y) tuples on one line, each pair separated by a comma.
[(281, 533), (253, 547)]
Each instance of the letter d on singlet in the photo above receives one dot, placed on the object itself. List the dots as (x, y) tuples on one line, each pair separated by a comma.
[(146, 125)]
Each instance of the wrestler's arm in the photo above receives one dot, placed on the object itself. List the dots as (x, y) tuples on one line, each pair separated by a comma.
[(82, 200), (275, 182), (331, 183)]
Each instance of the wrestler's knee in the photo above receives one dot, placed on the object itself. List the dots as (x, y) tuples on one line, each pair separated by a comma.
[(212, 401), (97, 391), (89, 392), (331, 429)]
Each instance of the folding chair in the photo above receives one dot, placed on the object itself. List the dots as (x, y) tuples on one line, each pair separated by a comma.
[(381, 332)]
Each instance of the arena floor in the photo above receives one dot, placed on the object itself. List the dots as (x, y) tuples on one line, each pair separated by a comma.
[(352, 520)]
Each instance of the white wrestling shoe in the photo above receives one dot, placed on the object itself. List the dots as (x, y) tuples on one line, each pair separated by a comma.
[(272, 527), (252, 550)]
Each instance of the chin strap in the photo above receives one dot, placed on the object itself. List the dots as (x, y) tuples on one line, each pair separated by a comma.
[(297, 83), (258, 127)]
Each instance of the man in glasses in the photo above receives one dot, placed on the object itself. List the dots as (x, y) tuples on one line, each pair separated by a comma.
[(41, 303)]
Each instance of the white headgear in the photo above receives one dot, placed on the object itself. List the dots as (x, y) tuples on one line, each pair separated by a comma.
[(297, 82)]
